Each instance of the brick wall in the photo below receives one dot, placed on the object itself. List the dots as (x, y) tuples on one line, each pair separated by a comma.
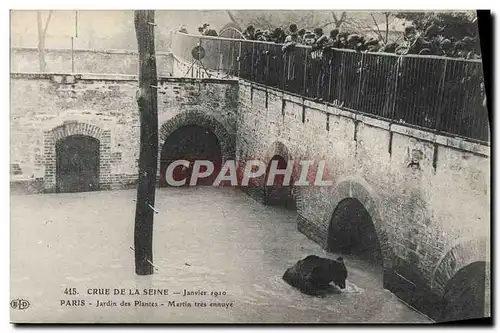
[(47, 107), (427, 194), (25, 60)]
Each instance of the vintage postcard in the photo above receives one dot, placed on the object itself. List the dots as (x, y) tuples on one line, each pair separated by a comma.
[(230, 166)]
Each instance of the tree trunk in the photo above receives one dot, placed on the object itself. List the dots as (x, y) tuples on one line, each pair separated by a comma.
[(387, 28), (148, 158), (41, 42), (42, 34)]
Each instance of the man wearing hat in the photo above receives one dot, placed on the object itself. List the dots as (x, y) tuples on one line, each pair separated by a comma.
[(249, 33), (290, 41)]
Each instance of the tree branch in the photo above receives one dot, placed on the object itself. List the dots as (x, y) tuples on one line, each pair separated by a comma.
[(334, 17), (327, 24), (338, 22), (231, 17), (47, 23), (376, 24), (305, 18)]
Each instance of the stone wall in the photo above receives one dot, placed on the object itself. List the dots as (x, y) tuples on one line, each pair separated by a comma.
[(47, 107), (427, 194), (25, 60)]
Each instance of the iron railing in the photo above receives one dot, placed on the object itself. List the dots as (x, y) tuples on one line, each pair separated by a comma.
[(435, 93)]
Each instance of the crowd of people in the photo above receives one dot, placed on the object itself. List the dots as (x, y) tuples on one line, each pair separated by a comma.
[(204, 30), (430, 42)]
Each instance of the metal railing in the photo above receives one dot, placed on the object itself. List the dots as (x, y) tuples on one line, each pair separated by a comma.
[(435, 93)]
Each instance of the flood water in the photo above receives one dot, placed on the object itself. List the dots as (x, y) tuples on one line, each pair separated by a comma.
[(205, 239)]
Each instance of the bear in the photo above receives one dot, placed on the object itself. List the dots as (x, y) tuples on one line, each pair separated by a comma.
[(312, 275)]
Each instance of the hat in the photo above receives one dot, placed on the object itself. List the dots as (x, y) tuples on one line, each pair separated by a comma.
[(446, 43), (432, 30), (409, 29), (425, 52)]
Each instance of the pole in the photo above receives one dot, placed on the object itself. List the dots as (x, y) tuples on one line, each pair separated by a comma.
[(148, 157), (72, 55), (76, 23)]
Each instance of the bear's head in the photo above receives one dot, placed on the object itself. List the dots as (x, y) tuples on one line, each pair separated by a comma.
[(340, 272)]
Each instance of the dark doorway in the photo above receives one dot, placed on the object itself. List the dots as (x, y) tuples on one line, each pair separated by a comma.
[(352, 232), (464, 296), (191, 142), (77, 164), (279, 193)]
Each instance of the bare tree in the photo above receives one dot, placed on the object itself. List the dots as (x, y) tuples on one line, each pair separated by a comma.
[(339, 21), (42, 34), (147, 101), (386, 18), (380, 27)]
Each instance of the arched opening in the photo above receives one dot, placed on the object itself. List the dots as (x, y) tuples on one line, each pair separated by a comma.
[(279, 193), (464, 296), (352, 232), (190, 142), (77, 164)]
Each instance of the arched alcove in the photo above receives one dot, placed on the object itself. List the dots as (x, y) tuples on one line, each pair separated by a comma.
[(464, 294), (191, 143), (351, 231), (279, 192)]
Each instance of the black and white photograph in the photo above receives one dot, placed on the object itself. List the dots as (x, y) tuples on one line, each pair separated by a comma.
[(249, 167)]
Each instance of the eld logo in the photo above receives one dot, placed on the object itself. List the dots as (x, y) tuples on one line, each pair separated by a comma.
[(19, 304)]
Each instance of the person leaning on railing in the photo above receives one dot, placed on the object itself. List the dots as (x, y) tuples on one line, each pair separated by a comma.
[(317, 64), (292, 39), (289, 56), (249, 33)]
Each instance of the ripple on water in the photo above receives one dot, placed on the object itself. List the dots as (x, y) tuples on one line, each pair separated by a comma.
[(282, 294), (351, 288)]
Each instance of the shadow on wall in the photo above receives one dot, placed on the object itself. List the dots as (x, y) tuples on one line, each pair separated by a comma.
[(278, 194), (352, 232)]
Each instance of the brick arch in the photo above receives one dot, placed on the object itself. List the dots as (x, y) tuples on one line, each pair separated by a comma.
[(76, 128), (359, 189), (277, 148), (461, 255), (227, 141), (280, 149)]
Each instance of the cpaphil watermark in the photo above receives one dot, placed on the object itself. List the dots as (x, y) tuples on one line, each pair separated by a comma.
[(232, 173)]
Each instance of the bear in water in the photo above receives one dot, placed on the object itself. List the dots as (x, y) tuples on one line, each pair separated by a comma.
[(313, 275)]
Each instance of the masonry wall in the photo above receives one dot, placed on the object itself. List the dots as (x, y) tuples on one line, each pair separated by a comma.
[(428, 195), (45, 107), (26, 60)]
